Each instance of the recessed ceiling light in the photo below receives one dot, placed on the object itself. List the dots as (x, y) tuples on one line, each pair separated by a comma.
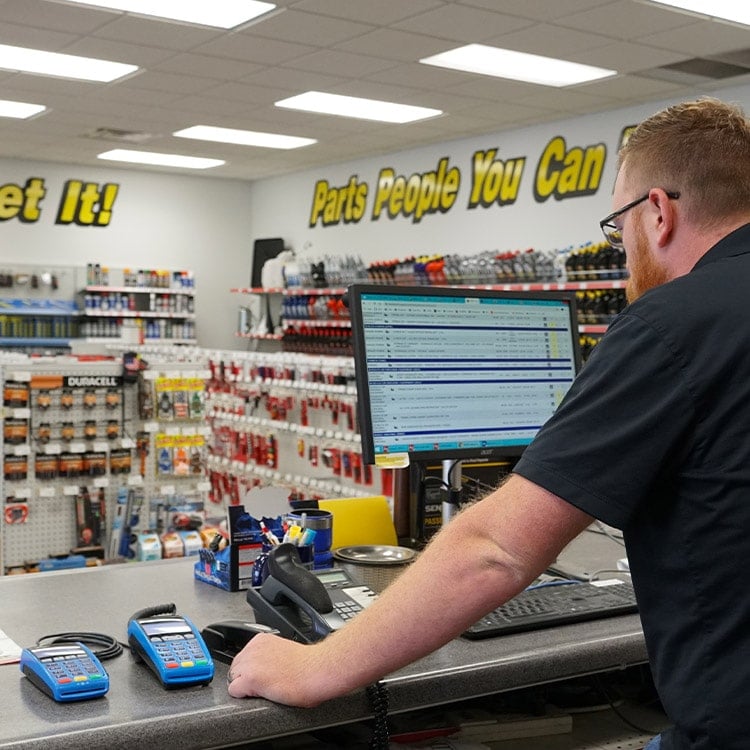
[(243, 137), (159, 160), (728, 10), (223, 14), (19, 110), (517, 66), (357, 107), (38, 61)]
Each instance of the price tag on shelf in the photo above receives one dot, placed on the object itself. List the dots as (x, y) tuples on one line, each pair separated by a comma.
[(101, 482), (167, 489), (100, 447), (53, 449), (70, 490), (77, 447), (135, 480)]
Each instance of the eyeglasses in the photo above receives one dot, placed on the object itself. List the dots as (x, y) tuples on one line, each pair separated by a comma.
[(613, 233)]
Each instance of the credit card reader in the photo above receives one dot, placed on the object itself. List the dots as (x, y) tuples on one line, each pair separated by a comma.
[(69, 672), (171, 646)]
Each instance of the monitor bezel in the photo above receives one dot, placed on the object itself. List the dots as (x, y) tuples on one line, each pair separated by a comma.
[(364, 415)]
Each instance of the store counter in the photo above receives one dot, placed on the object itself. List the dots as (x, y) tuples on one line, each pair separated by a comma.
[(138, 711)]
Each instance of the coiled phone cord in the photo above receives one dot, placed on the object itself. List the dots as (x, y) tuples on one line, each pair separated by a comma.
[(377, 695)]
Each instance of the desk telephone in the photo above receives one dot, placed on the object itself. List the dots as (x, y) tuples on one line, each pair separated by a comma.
[(305, 605)]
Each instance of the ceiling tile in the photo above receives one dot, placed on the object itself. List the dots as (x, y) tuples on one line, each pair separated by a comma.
[(336, 62), (308, 28), (383, 12), (462, 23), (394, 44)]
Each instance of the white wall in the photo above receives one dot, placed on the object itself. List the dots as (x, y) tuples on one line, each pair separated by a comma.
[(281, 206), (208, 225), (158, 221)]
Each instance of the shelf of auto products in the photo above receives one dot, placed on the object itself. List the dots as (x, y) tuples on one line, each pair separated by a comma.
[(46, 308), (101, 461), (315, 320), (287, 420)]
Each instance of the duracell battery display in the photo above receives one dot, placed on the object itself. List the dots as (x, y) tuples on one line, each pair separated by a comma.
[(15, 468), (16, 394), (15, 431), (120, 461), (46, 467)]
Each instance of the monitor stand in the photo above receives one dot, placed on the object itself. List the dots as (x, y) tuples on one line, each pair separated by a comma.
[(452, 479)]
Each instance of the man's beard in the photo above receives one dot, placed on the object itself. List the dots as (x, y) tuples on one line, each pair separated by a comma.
[(645, 272)]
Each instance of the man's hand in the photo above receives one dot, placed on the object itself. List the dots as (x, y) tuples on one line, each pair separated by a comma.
[(282, 671)]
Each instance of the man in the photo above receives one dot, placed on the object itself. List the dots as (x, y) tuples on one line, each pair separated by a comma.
[(653, 438)]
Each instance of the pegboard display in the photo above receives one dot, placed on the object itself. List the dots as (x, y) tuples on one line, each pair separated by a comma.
[(78, 437), (286, 420)]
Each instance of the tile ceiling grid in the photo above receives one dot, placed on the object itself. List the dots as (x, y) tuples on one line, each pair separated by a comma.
[(197, 75)]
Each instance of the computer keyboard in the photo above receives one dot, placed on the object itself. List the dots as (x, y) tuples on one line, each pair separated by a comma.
[(556, 604)]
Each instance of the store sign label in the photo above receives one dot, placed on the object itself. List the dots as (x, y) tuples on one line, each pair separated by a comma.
[(82, 203), (562, 172)]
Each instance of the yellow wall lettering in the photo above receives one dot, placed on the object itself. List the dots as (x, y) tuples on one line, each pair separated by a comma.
[(568, 173), (625, 135), (332, 204), (22, 202), (86, 204), (494, 181), (420, 194)]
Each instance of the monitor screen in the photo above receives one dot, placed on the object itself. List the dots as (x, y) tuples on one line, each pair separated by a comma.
[(454, 373)]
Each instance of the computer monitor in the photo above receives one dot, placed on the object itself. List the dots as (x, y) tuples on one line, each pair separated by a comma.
[(459, 373)]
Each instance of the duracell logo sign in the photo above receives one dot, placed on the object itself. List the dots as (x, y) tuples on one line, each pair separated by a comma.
[(562, 171), (92, 381)]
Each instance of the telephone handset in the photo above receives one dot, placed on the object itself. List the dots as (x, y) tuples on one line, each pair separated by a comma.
[(305, 605)]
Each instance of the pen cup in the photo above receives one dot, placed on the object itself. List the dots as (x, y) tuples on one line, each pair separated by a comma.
[(321, 522)]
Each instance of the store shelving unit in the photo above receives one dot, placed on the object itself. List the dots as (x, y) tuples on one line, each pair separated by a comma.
[(163, 314)]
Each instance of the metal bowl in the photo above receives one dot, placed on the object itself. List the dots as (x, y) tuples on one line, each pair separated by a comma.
[(375, 566)]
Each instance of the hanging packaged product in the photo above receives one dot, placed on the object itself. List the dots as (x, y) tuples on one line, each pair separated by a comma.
[(16, 394), (164, 445)]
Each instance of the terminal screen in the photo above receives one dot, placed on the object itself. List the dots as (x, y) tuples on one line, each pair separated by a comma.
[(456, 372)]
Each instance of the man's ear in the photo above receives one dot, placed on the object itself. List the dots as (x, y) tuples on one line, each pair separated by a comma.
[(664, 215)]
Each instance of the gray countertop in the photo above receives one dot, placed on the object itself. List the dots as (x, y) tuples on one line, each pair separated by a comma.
[(137, 709)]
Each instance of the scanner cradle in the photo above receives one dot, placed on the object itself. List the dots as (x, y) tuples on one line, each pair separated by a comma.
[(305, 605), (227, 638)]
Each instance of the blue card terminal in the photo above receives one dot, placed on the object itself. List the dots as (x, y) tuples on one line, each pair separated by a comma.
[(69, 672)]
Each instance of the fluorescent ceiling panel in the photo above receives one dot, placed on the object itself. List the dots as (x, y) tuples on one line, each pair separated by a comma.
[(222, 14), (517, 66), (19, 110), (357, 107), (243, 137), (728, 10), (159, 160), (39, 62)]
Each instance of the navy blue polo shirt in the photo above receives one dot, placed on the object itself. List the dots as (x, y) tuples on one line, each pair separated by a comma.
[(654, 438)]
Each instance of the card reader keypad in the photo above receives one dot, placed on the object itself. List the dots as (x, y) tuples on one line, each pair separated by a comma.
[(72, 668), (179, 650)]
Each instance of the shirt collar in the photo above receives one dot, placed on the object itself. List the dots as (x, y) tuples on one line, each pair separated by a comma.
[(735, 243)]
